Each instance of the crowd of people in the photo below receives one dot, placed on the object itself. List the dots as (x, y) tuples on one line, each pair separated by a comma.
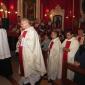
[(43, 50)]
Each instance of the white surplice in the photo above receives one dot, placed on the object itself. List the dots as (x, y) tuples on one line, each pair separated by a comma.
[(4, 47), (71, 54), (54, 64), (33, 62)]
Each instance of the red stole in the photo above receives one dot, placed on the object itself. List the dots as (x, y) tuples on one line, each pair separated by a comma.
[(24, 34), (51, 44), (65, 57), (21, 54), (65, 53)]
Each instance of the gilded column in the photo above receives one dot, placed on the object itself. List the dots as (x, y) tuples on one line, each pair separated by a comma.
[(38, 9), (81, 7), (20, 7)]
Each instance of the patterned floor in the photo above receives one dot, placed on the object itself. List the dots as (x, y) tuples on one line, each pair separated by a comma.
[(16, 77)]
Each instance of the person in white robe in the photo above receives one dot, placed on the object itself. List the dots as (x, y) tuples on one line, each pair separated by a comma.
[(55, 52), (32, 59), (70, 47), (5, 55)]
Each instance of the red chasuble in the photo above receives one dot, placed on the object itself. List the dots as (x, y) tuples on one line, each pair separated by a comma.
[(20, 55)]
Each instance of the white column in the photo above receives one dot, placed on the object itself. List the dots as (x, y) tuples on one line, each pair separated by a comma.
[(38, 9), (20, 7)]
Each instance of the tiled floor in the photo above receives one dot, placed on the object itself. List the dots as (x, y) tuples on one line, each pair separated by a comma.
[(16, 77), (4, 81)]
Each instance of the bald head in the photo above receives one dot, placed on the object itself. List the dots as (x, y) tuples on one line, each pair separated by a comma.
[(25, 20), (25, 23)]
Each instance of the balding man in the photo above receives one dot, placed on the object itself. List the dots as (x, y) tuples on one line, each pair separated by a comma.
[(30, 56)]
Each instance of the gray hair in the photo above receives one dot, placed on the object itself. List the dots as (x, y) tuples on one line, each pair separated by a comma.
[(25, 20)]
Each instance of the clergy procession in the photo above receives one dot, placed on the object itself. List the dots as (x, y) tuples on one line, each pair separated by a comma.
[(43, 55)]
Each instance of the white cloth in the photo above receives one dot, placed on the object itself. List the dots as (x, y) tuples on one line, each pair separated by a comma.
[(4, 47), (31, 79), (33, 62), (70, 58), (54, 66)]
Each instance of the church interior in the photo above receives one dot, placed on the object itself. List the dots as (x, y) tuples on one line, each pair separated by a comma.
[(44, 16)]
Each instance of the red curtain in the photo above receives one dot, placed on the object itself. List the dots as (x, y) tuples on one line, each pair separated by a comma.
[(67, 5), (0, 12), (48, 5), (12, 7), (0, 1)]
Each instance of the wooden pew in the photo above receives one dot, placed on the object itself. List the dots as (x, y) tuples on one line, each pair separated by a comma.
[(72, 67)]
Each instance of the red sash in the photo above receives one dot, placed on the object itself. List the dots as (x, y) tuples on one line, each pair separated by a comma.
[(20, 55), (65, 53), (51, 44), (24, 34), (65, 57)]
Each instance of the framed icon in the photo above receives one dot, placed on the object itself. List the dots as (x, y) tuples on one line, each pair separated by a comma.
[(57, 19)]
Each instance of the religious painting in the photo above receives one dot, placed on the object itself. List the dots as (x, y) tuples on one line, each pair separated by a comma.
[(57, 20), (29, 9)]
